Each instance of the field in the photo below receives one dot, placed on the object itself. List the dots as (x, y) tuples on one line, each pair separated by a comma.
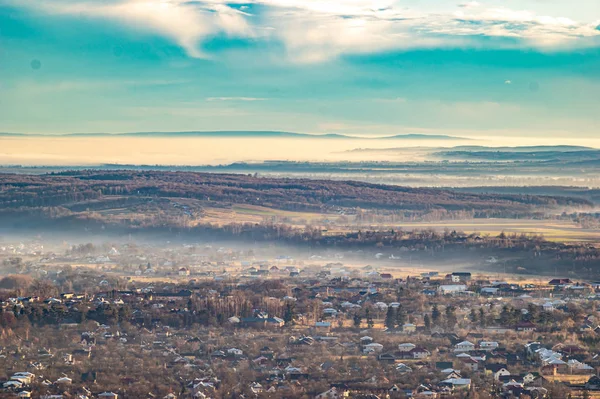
[(552, 230), (241, 213)]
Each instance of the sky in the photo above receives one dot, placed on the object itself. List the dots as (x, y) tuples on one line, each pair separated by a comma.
[(502, 68)]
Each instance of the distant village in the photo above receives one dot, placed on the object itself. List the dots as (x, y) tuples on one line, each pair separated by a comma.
[(203, 321)]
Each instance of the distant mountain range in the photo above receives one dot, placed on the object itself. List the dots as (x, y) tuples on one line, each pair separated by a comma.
[(246, 134), (482, 149)]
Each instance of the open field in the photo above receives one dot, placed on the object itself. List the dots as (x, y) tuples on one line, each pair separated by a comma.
[(241, 213), (553, 230)]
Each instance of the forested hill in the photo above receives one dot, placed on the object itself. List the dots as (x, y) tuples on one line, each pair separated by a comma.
[(67, 189)]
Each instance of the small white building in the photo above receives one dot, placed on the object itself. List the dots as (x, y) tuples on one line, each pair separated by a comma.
[(373, 347), (464, 346), (488, 345), (406, 347), (450, 289)]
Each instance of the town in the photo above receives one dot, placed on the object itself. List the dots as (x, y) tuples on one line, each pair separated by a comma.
[(205, 321)]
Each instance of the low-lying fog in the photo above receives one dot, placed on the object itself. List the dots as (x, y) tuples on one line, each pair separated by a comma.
[(204, 151)]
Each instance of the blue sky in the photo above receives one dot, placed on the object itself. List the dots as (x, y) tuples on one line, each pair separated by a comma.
[(486, 67)]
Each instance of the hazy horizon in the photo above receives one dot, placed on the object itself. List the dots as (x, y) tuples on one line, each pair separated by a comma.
[(69, 151)]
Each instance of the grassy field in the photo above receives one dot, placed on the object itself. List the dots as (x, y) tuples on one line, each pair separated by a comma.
[(552, 230), (257, 214)]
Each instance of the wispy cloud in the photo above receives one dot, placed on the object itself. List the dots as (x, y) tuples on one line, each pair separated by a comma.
[(39, 88), (317, 30), (235, 99)]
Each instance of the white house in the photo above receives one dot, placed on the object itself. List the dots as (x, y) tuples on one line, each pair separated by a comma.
[(373, 347), (333, 393), (548, 306), (184, 272), (449, 289), (406, 347), (235, 352), (464, 346), (458, 382), (497, 370), (488, 345)]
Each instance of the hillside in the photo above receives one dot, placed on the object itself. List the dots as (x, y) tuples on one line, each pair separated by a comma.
[(78, 191)]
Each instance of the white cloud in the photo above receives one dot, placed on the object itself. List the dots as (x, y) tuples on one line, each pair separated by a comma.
[(318, 30), (186, 23), (470, 4)]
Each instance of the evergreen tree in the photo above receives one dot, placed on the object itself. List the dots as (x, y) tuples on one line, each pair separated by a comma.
[(288, 315), (400, 316), (427, 322), (451, 317), (505, 316), (436, 316), (473, 316), (357, 320), (390, 318), (482, 318), (370, 323)]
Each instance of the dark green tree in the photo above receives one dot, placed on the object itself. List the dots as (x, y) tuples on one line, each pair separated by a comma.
[(436, 316), (400, 316), (427, 321), (390, 318), (357, 319), (451, 317), (473, 316)]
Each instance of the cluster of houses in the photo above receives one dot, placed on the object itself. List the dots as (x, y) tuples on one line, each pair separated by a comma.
[(328, 320)]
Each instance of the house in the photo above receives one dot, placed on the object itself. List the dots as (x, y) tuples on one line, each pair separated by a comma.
[(489, 290), (444, 365), (323, 325), (330, 312), (464, 346), (460, 276), (450, 289), (184, 272), (457, 383), (497, 370), (488, 345), (13, 384), (387, 358), (108, 395), (531, 378), (365, 340), (548, 307), (403, 368), (406, 347), (373, 347), (469, 363), (409, 328), (64, 381), (258, 322), (235, 352), (333, 393), (593, 384), (577, 367), (525, 326), (420, 353), (560, 281)]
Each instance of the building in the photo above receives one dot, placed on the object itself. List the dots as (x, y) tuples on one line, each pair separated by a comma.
[(184, 272), (464, 346), (451, 289)]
